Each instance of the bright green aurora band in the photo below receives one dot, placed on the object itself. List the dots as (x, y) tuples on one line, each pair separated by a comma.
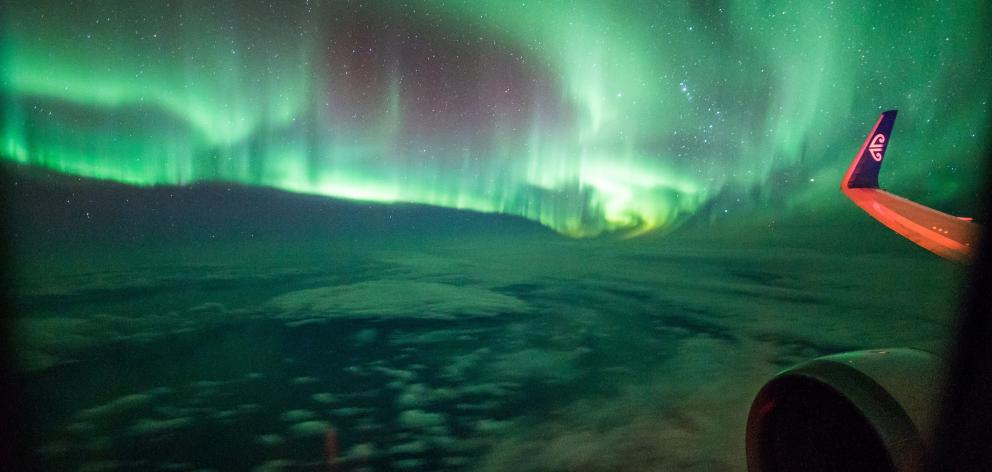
[(589, 117)]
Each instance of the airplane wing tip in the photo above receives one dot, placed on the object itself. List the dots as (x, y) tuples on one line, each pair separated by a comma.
[(863, 172)]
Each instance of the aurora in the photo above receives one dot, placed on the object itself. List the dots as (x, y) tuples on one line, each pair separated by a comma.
[(589, 117)]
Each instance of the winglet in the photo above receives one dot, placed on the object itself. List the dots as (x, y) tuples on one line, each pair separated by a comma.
[(863, 172), (950, 237)]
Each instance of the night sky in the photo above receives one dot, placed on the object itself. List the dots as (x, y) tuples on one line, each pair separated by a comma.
[(236, 227), (589, 117)]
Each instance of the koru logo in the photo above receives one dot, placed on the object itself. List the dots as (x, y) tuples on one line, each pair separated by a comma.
[(877, 146)]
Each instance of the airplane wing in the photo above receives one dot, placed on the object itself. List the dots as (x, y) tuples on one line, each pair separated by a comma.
[(947, 236)]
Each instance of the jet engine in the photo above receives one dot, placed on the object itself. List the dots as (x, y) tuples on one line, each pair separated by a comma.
[(863, 410)]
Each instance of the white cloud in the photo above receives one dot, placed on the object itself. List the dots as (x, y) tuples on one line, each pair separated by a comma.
[(323, 397), (117, 406), (395, 298), (420, 419), (296, 416), (310, 428), (153, 426)]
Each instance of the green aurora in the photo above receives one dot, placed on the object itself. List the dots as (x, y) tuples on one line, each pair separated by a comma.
[(589, 117)]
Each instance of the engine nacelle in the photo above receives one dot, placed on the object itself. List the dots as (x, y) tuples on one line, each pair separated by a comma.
[(862, 410)]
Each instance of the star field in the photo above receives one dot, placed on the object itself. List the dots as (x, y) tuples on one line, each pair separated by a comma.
[(589, 117)]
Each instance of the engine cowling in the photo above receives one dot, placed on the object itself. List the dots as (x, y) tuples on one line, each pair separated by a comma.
[(863, 410)]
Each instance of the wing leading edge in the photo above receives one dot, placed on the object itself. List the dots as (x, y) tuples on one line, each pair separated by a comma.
[(947, 236)]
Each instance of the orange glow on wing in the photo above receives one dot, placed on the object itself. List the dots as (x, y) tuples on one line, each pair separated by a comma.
[(947, 236), (331, 447)]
